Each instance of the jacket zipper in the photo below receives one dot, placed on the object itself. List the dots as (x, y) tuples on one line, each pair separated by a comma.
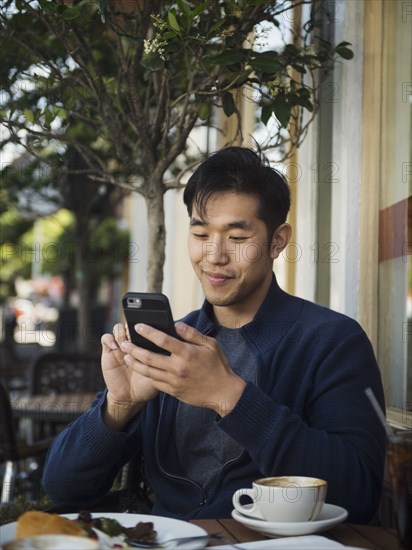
[(171, 476), (184, 479)]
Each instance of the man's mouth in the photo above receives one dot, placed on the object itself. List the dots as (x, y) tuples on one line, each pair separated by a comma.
[(216, 278)]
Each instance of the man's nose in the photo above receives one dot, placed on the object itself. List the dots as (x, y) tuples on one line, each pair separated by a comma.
[(216, 252)]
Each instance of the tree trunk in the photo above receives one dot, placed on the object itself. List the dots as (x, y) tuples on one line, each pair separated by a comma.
[(156, 241), (85, 342)]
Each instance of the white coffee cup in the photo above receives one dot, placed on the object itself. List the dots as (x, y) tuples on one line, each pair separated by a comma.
[(283, 499)]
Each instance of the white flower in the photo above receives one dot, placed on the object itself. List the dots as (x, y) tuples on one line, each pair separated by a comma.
[(155, 46)]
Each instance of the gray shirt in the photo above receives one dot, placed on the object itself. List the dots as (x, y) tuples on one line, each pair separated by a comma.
[(203, 448)]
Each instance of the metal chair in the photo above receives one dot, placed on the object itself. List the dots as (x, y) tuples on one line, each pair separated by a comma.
[(13, 451), (13, 370), (54, 373)]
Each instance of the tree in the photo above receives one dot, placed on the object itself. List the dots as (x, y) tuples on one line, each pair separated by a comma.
[(139, 75), (85, 249), (56, 252)]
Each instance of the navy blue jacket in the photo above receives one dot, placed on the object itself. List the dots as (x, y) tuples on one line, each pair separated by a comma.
[(307, 415)]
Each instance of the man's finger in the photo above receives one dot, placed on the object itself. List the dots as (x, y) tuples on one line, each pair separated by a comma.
[(158, 337), (191, 335), (119, 333), (109, 342)]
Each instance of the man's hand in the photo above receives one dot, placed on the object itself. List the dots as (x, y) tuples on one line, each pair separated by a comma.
[(128, 391), (197, 372)]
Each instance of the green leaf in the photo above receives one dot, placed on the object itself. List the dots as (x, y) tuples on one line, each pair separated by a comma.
[(48, 7), (234, 39), (266, 62), (229, 106), (304, 92), (304, 102), (267, 112), (344, 52), (184, 8), (242, 78), (217, 26), (282, 111), (200, 8), (173, 21), (59, 112), (204, 110), (152, 62), (228, 57), (48, 117), (169, 35), (29, 115)]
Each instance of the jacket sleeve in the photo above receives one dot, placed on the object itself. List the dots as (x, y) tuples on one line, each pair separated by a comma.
[(316, 420), (85, 458)]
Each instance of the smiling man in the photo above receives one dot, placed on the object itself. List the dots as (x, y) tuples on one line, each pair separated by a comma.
[(232, 254), (260, 383)]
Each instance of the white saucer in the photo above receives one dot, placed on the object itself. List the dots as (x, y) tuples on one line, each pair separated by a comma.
[(331, 515)]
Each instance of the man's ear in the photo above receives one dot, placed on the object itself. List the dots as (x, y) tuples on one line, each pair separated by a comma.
[(280, 239)]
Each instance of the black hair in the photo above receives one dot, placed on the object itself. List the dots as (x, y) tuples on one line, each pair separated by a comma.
[(240, 170)]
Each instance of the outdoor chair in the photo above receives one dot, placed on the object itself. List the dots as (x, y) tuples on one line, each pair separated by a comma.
[(13, 451), (67, 376), (55, 373), (13, 370)]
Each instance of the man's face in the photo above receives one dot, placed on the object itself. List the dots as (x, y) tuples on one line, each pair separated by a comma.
[(231, 254)]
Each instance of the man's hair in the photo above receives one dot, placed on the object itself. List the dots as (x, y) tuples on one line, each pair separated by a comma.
[(240, 170)]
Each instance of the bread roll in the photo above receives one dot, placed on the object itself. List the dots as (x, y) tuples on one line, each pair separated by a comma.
[(35, 523)]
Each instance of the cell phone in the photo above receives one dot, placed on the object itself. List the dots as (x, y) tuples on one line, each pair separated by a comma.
[(150, 308)]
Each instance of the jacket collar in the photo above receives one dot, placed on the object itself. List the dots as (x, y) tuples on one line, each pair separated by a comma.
[(276, 315)]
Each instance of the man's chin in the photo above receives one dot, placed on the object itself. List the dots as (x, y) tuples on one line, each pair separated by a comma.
[(217, 300), (220, 294)]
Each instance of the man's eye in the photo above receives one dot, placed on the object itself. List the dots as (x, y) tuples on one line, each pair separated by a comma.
[(238, 238), (200, 235)]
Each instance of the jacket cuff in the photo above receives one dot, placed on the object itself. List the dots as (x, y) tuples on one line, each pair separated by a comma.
[(101, 439)]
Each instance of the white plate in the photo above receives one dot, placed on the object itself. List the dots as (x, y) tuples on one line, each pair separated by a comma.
[(331, 515), (166, 527)]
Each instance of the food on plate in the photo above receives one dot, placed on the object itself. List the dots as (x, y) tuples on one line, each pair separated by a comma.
[(107, 530), (34, 523), (142, 531)]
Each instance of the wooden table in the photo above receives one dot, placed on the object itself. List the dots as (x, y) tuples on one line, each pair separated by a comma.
[(361, 536)]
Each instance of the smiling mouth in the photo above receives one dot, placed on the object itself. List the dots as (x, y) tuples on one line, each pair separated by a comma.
[(216, 278)]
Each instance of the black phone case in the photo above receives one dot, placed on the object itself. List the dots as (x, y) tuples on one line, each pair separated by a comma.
[(151, 309)]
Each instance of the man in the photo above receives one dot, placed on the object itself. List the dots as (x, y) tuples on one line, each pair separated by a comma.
[(260, 383)]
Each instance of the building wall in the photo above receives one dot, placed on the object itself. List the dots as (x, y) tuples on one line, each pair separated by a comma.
[(359, 198)]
